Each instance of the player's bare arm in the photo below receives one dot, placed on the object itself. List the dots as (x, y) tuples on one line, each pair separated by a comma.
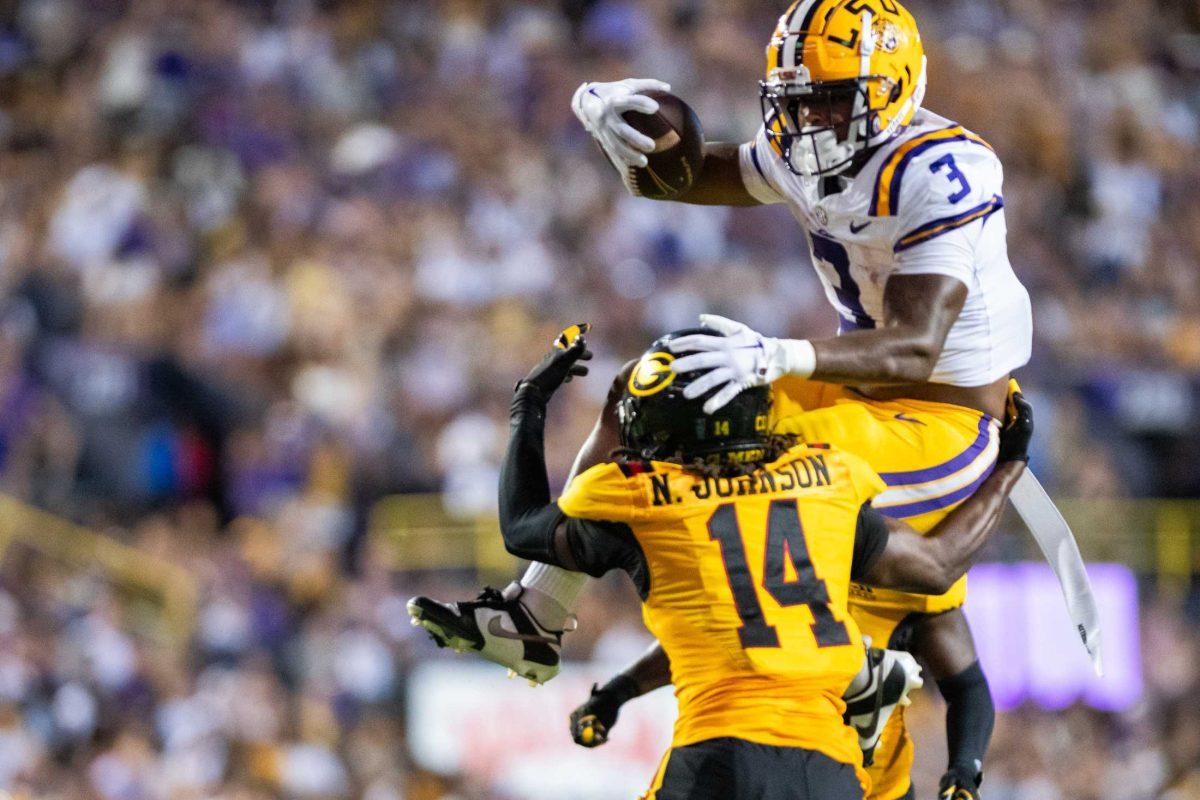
[(894, 360), (898, 358), (603, 437), (931, 564), (720, 180), (918, 313)]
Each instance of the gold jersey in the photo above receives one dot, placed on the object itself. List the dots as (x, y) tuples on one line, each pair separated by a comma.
[(749, 579)]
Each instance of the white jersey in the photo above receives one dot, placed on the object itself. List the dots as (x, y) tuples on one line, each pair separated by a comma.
[(927, 202)]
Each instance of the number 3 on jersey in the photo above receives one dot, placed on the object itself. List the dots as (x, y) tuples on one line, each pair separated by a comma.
[(954, 175), (784, 539)]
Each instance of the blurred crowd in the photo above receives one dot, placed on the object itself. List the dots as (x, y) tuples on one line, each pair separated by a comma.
[(287, 692), (263, 263)]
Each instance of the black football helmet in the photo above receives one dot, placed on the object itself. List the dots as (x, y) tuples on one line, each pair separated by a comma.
[(658, 423)]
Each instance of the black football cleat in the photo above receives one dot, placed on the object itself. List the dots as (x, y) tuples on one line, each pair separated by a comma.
[(500, 629), (894, 674)]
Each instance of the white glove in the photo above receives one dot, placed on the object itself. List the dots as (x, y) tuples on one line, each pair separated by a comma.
[(599, 107), (737, 359)]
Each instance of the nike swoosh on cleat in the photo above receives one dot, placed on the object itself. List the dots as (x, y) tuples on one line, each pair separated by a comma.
[(495, 629), (857, 228)]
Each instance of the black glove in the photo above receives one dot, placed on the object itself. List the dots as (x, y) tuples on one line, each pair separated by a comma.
[(960, 783), (561, 363), (591, 722), (1018, 429)]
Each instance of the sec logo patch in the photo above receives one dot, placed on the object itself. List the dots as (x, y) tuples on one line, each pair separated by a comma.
[(652, 374)]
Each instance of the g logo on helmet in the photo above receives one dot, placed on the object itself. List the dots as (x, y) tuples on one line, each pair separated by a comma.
[(652, 374)]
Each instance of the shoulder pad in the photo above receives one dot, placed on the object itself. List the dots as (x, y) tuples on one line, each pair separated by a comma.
[(604, 491), (951, 183), (889, 180)]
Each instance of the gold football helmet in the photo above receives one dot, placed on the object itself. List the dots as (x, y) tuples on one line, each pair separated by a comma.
[(842, 76)]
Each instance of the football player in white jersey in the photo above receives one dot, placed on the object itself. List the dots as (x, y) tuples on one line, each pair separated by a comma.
[(903, 210)]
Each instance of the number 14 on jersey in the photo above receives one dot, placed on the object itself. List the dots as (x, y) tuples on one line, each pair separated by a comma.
[(784, 540)]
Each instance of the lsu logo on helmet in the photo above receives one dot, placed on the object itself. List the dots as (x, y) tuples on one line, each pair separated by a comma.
[(842, 76)]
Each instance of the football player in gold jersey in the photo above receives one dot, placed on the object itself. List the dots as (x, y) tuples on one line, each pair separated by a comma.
[(742, 545)]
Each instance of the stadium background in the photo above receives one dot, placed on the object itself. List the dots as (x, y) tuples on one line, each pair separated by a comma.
[(269, 271)]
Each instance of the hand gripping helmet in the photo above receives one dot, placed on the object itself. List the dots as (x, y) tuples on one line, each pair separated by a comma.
[(842, 76), (658, 423)]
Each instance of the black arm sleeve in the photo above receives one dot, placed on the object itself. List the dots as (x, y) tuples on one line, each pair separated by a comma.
[(870, 539), (528, 520), (527, 517)]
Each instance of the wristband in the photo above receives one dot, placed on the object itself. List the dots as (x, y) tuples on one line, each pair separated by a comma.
[(621, 689), (797, 357)]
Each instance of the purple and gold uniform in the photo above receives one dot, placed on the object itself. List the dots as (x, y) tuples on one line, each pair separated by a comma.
[(930, 457)]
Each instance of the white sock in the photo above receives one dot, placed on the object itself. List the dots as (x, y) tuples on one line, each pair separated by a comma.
[(551, 593)]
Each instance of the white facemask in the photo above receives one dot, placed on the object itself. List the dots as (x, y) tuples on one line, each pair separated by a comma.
[(813, 154)]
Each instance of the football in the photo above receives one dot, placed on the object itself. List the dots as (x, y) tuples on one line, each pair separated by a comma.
[(678, 148)]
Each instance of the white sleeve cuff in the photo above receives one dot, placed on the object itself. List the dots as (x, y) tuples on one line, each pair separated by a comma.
[(753, 176), (798, 357)]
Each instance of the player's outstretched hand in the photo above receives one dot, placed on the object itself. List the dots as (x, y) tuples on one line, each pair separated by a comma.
[(592, 721), (959, 784), (1018, 428), (735, 360), (562, 362), (599, 107)]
